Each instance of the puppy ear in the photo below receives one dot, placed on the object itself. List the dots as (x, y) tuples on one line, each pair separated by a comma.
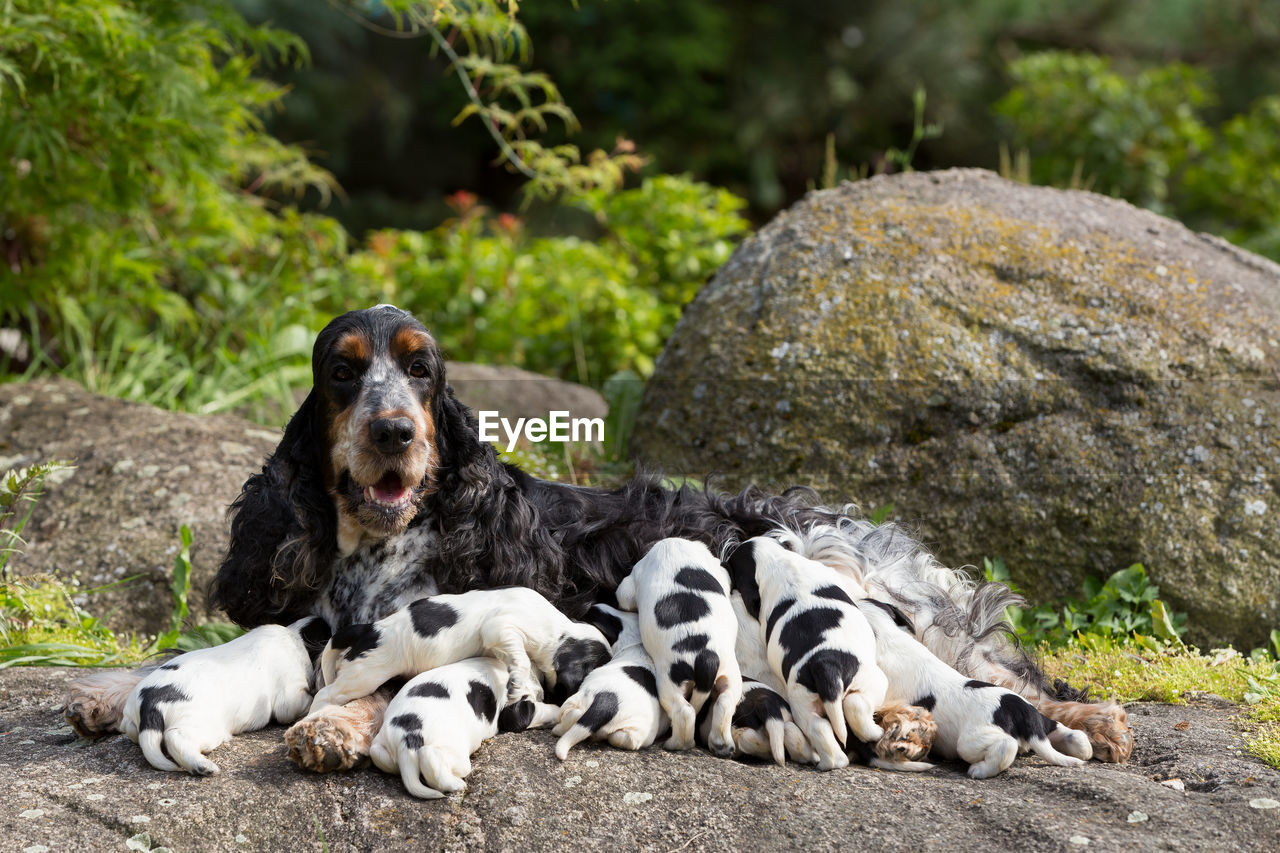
[(741, 565), (517, 716), (283, 531)]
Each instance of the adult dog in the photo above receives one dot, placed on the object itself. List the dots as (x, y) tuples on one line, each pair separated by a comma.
[(381, 492)]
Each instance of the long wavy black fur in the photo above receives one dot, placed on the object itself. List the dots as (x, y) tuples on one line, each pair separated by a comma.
[(497, 525)]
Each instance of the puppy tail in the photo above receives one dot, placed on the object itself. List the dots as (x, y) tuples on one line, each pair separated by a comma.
[(152, 743), (574, 736), (776, 728), (188, 755), (835, 715), (409, 775)]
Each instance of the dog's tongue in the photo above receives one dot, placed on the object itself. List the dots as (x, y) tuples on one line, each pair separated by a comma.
[(389, 489)]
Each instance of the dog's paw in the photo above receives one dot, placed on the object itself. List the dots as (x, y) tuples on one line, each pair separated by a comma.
[(1109, 734), (94, 703), (327, 742), (908, 733), (1106, 724)]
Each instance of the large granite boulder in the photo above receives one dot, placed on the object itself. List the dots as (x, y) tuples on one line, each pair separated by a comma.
[(1055, 378), (141, 473)]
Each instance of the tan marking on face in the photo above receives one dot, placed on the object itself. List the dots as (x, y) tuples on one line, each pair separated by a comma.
[(354, 346), (407, 340)]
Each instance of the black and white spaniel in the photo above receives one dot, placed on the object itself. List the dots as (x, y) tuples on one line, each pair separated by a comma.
[(381, 492), (438, 719)]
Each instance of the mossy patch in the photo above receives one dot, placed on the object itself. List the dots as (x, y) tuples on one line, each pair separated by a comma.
[(1176, 674), (1056, 378)]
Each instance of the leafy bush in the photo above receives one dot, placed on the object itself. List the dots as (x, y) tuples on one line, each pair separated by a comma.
[(565, 306), (145, 228), (1147, 137), (1124, 608), (138, 234)]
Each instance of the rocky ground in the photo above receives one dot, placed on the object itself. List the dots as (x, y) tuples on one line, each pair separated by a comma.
[(62, 793)]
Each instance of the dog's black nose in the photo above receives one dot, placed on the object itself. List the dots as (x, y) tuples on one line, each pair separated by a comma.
[(392, 435)]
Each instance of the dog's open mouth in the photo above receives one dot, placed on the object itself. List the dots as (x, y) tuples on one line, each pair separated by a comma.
[(382, 507), (389, 492)]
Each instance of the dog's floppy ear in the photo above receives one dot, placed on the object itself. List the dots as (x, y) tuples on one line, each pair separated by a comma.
[(283, 531), (491, 534)]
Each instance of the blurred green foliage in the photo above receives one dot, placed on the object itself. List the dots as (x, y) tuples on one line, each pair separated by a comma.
[(1151, 136), (134, 232), (739, 93), (565, 306), (147, 218)]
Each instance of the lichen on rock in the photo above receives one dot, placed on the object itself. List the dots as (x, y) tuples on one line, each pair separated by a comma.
[(1055, 378)]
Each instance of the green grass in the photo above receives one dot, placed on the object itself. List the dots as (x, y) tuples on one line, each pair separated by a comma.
[(1126, 672)]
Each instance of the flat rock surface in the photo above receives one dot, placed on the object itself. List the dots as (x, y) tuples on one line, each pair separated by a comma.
[(62, 793)]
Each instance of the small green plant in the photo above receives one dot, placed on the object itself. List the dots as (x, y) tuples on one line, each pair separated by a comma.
[(921, 131), (1125, 607), (881, 513), (20, 488), (179, 636), (180, 589)]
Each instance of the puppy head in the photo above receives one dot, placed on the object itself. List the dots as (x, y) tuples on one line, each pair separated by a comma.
[(314, 633), (376, 373), (741, 565), (576, 657)]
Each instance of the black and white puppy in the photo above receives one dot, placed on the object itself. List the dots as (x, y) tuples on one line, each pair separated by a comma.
[(197, 701), (617, 702), (439, 718), (681, 593), (763, 726), (818, 643), (984, 725), (515, 625)]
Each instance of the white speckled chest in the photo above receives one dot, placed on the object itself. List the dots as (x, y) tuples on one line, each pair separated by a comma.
[(380, 576)]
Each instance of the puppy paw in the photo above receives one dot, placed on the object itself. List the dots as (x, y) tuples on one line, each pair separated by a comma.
[(1106, 724), (325, 743), (908, 733)]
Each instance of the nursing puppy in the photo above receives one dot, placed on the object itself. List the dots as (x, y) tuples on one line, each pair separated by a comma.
[(438, 719), (762, 726), (984, 725), (754, 728), (515, 625), (617, 702), (681, 593), (198, 700), (818, 643)]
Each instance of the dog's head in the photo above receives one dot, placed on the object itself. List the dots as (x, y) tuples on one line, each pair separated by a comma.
[(376, 375)]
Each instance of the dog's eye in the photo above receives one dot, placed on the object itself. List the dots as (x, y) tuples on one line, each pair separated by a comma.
[(342, 373), (418, 369)]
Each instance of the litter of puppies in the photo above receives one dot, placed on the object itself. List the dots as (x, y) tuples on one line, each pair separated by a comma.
[(768, 655)]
